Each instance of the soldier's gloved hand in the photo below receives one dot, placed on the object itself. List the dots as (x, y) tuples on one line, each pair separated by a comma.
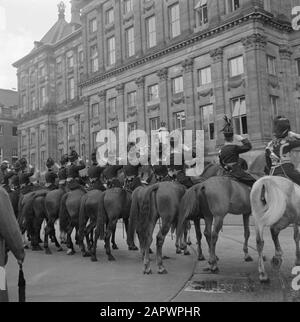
[(239, 137)]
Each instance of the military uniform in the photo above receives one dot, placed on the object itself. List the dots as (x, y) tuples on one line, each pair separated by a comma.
[(278, 156), (62, 176), (50, 178), (110, 173), (94, 173), (73, 177), (24, 181), (6, 175)]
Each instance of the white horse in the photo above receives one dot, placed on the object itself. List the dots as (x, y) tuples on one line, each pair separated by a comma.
[(275, 202)]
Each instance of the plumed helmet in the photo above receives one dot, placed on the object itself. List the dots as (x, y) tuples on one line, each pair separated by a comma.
[(50, 163), (281, 127), (73, 156), (3, 166), (94, 156), (64, 159), (228, 127), (23, 162)]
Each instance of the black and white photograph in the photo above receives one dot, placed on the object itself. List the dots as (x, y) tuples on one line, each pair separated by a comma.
[(150, 153)]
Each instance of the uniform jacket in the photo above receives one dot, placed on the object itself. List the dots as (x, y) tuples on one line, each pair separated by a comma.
[(50, 176), (73, 170), (24, 176), (62, 173), (229, 153), (10, 236)]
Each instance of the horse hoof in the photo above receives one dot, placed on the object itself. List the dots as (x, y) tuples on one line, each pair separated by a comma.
[(147, 271), (215, 270), (132, 248), (201, 258), (150, 251), (86, 254), (186, 253), (264, 279), (162, 271), (248, 259), (111, 258), (276, 262), (48, 251), (94, 259), (115, 247), (189, 243), (178, 251), (70, 252), (59, 249)]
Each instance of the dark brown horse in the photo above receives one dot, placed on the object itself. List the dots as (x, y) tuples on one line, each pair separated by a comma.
[(213, 200)]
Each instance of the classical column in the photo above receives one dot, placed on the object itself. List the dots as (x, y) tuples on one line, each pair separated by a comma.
[(28, 143), (141, 103), (285, 53), (121, 103), (163, 94), (257, 100), (77, 119), (188, 79), (118, 32), (87, 134), (19, 133), (103, 111), (38, 157), (66, 127), (219, 92)]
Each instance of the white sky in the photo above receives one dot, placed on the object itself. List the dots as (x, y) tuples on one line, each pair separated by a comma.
[(21, 23)]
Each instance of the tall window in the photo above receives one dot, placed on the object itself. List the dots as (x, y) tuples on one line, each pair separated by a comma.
[(43, 96), (204, 76), (70, 59), (111, 51), (32, 159), (93, 25), (14, 131), (95, 110), (129, 34), (71, 88), (59, 93), (271, 65), (24, 105), (207, 121), (151, 31), (112, 105), (179, 121), (71, 129), (33, 101), (94, 59), (153, 93), (232, 5), (43, 160), (82, 127), (174, 20), (42, 71), (240, 115), (60, 134), (177, 85), (109, 16), (131, 99), (80, 55), (236, 66), (132, 127), (154, 123), (83, 153), (32, 138), (128, 6), (201, 13), (43, 136), (58, 65), (274, 105), (32, 77)]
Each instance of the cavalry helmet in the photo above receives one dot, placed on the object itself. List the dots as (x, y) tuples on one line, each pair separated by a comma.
[(73, 156), (50, 163), (23, 162), (281, 127), (64, 159), (94, 156), (228, 128)]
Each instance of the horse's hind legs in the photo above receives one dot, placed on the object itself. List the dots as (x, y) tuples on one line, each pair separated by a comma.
[(147, 270), (70, 245), (160, 238), (246, 220), (113, 241), (110, 229), (297, 240), (263, 276), (213, 260)]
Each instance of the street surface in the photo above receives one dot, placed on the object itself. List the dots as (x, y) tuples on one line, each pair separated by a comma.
[(59, 277)]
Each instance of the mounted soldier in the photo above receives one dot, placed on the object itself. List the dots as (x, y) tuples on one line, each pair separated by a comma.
[(50, 175), (62, 172), (6, 174), (15, 182), (24, 177), (278, 151), (74, 180), (111, 171), (229, 155), (94, 174)]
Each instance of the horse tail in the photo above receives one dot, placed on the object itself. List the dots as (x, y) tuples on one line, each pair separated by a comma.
[(268, 202), (101, 218), (64, 218), (144, 216), (187, 209), (82, 219), (134, 210)]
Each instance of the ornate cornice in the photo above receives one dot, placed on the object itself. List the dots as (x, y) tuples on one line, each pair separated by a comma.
[(120, 89), (236, 83), (205, 93), (178, 99), (256, 41), (131, 111), (102, 95), (113, 117), (153, 108), (191, 41), (217, 54), (285, 52), (140, 82), (150, 5), (188, 64), (273, 82), (163, 74)]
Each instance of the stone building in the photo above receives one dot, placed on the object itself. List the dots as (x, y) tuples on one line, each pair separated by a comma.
[(186, 63), (8, 125)]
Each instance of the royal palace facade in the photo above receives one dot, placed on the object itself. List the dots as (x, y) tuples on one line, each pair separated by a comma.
[(184, 62)]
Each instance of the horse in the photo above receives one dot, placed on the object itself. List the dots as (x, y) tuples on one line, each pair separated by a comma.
[(275, 202), (69, 217), (213, 200)]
